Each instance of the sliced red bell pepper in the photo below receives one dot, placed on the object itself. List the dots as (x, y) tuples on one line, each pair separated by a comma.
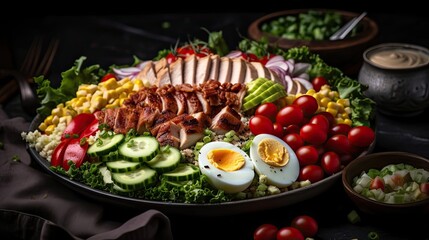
[(76, 152), (77, 125), (91, 129), (58, 153)]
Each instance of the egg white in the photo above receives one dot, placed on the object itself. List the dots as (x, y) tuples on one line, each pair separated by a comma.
[(230, 182), (277, 176)]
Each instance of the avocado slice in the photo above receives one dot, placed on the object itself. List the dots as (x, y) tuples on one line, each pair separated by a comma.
[(257, 99)]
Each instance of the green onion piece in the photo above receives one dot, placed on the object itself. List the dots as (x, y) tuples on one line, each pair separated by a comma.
[(373, 173), (207, 132), (207, 139), (146, 134), (199, 145), (226, 139), (230, 134), (353, 217), (373, 236)]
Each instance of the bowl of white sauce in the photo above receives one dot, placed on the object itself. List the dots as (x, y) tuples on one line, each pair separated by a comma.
[(397, 77)]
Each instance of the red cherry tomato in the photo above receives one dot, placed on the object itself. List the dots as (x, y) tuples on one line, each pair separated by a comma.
[(307, 103), (328, 116), (339, 144), (265, 232), (268, 110), (377, 183), (313, 173), (78, 124), (313, 134), (289, 233), (307, 225), (424, 188), (76, 152), (252, 57), (361, 136), (58, 153), (340, 128), (318, 82), (278, 130), (290, 115), (293, 128), (307, 155), (320, 120), (107, 77), (171, 58), (293, 140), (330, 162), (260, 124)]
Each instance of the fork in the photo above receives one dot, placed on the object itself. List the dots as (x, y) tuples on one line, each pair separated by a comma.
[(32, 66)]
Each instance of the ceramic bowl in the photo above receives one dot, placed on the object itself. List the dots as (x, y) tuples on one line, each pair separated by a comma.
[(345, 54), (396, 89), (378, 161)]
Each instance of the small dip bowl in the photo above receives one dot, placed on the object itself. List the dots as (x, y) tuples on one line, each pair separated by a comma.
[(397, 76)]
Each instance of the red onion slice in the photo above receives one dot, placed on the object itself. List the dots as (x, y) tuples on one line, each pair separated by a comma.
[(300, 68), (304, 82), (234, 54)]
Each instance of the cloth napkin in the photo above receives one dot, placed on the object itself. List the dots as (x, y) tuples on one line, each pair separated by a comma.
[(33, 205)]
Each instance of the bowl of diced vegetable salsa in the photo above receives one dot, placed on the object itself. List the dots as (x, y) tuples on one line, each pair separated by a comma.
[(388, 183), (312, 28)]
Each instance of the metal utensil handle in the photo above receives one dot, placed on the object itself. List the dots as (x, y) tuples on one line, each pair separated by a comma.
[(342, 32)]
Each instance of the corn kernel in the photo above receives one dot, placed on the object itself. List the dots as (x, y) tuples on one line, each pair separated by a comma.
[(114, 104), (324, 92), (98, 102), (289, 99), (123, 95), (48, 119), (65, 119), (318, 96), (138, 84), (55, 120), (333, 94), (121, 101), (344, 101), (123, 81), (109, 84), (332, 111), (324, 102), (326, 86), (55, 111), (333, 105), (321, 109), (81, 93), (42, 127), (344, 115), (347, 121), (128, 87), (311, 92), (348, 110), (50, 129), (339, 120)]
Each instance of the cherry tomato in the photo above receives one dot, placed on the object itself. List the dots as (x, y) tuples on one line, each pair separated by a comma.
[(278, 130), (293, 128), (289, 233), (265, 59), (293, 140), (76, 152), (424, 188), (58, 153), (268, 110), (313, 134), (339, 144), (330, 162), (318, 82), (290, 115), (340, 128), (260, 124), (171, 58), (107, 77), (313, 173), (320, 120), (307, 155), (306, 225), (377, 183), (328, 116), (307, 103), (361, 136), (252, 57), (265, 232), (78, 124)]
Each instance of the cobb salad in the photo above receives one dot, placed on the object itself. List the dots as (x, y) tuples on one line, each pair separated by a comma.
[(202, 124)]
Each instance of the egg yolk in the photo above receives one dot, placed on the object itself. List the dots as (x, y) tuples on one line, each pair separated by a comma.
[(225, 159), (273, 152)]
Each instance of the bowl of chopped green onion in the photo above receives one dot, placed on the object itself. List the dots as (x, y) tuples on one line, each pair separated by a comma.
[(312, 28), (388, 183)]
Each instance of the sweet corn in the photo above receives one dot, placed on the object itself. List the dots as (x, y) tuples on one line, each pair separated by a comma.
[(55, 120), (347, 121), (332, 111), (66, 119), (324, 102), (311, 92), (42, 127), (318, 96), (109, 84), (50, 129), (289, 99), (348, 110), (344, 101)]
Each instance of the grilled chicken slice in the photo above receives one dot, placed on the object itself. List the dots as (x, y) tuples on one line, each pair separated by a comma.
[(176, 72), (146, 119), (163, 117), (163, 78), (194, 104), (121, 118), (168, 134), (251, 73), (214, 68), (274, 76), (238, 70), (147, 74), (225, 68), (160, 64), (190, 67), (168, 100), (262, 70), (182, 103), (227, 119), (153, 100), (202, 118), (99, 115), (203, 69), (204, 103), (190, 131), (109, 117)]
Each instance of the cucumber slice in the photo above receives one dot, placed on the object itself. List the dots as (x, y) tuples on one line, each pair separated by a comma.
[(165, 161), (121, 166), (139, 149), (183, 172), (274, 97), (105, 145), (111, 156), (134, 180)]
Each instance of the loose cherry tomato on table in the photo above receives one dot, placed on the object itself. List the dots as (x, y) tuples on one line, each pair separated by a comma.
[(289, 233), (306, 225), (265, 232), (290, 115), (377, 183), (318, 82), (108, 76), (307, 103), (268, 110), (259, 124), (313, 173), (330, 162), (361, 136)]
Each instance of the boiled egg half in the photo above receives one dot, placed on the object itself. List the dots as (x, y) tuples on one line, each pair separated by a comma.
[(227, 167), (275, 159)]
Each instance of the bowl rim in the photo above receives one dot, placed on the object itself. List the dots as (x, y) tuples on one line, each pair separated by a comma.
[(349, 189), (255, 32)]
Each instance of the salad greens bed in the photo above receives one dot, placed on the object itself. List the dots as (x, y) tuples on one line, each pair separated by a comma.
[(198, 191)]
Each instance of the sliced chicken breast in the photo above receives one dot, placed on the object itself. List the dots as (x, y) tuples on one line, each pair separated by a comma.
[(203, 69), (214, 68), (176, 72), (147, 74), (190, 67), (225, 68), (262, 70), (168, 134), (251, 73), (160, 64), (238, 70), (227, 119), (163, 78)]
